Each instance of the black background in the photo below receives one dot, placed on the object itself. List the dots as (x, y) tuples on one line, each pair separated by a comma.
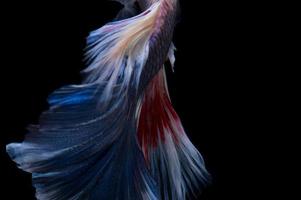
[(217, 88)]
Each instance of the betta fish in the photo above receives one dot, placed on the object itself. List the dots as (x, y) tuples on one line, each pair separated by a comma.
[(116, 136)]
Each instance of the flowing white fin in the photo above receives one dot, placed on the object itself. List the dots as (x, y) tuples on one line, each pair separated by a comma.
[(171, 56), (116, 49)]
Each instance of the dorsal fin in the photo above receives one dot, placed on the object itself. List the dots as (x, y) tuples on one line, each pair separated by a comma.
[(130, 9)]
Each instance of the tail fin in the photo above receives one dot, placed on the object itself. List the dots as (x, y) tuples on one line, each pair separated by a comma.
[(85, 145), (175, 163), (81, 150)]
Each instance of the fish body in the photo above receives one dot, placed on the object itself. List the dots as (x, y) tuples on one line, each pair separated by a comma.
[(116, 135)]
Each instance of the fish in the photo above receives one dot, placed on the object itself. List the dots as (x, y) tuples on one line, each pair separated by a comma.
[(116, 135)]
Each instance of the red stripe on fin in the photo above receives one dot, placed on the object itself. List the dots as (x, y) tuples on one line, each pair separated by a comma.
[(157, 115)]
